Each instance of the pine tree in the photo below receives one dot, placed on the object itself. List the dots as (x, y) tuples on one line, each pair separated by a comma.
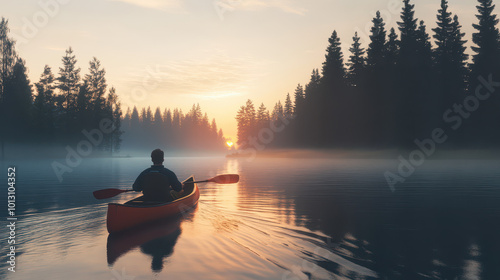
[(8, 55), (69, 80), (18, 102), (262, 117), (486, 62), (408, 101), (299, 100), (486, 40), (408, 29), (449, 59), (392, 49), (135, 119), (459, 56), (376, 49), (96, 86), (443, 38), (356, 62), (333, 67), (44, 103), (158, 118), (288, 109), (167, 118), (242, 127), (114, 112), (278, 111), (126, 119)]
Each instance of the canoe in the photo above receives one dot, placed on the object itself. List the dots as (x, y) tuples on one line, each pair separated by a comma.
[(137, 212)]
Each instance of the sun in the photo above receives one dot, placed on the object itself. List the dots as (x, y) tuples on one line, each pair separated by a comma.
[(229, 144)]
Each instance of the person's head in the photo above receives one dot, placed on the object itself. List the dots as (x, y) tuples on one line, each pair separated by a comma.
[(157, 156)]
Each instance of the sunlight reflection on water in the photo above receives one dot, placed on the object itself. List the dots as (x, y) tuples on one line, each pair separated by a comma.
[(285, 219)]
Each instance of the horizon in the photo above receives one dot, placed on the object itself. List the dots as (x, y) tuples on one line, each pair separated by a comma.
[(207, 63)]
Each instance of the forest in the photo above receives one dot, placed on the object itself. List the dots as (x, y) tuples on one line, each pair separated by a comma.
[(61, 109), (394, 92)]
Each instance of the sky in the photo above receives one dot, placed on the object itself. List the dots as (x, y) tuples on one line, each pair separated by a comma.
[(218, 53)]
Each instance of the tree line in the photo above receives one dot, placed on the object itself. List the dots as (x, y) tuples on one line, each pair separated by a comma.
[(396, 90), (172, 129), (59, 107)]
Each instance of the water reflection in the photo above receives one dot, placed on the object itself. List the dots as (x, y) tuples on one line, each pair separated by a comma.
[(156, 240)]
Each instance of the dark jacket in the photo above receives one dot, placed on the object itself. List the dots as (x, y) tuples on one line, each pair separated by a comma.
[(170, 176)]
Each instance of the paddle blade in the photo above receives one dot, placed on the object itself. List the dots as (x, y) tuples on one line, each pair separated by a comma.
[(108, 193), (226, 179)]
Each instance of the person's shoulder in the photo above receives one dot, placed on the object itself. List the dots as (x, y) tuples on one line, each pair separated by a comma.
[(146, 170), (167, 170)]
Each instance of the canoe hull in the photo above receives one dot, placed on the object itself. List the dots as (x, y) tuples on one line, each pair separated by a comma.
[(122, 216)]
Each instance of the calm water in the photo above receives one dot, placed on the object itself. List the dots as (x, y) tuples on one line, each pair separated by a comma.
[(286, 219)]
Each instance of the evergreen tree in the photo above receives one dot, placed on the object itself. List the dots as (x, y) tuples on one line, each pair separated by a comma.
[(44, 104), (126, 119), (262, 117), (450, 61), (376, 49), (242, 125), (486, 62), (408, 102), (18, 102), (278, 111), (96, 87), (356, 62), (288, 109), (113, 107), (69, 80), (333, 67), (8, 56), (392, 49), (148, 118), (134, 118), (158, 118), (299, 100), (443, 38), (486, 40), (168, 118)]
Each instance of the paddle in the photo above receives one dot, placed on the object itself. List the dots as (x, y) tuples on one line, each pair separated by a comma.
[(220, 179)]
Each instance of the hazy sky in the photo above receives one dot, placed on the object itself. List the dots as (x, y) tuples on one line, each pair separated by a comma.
[(219, 53)]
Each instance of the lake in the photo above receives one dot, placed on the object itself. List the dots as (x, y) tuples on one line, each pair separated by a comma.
[(300, 218)]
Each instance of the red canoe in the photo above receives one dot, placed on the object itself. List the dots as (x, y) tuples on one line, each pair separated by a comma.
[(135, 212)]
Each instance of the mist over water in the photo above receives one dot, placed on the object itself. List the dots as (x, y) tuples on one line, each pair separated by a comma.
[(293, 218)]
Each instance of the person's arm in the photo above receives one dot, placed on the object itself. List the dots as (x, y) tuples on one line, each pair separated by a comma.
[(174, 182), (137, 186)]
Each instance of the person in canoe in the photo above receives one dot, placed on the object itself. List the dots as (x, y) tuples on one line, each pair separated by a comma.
[(158, 183)]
